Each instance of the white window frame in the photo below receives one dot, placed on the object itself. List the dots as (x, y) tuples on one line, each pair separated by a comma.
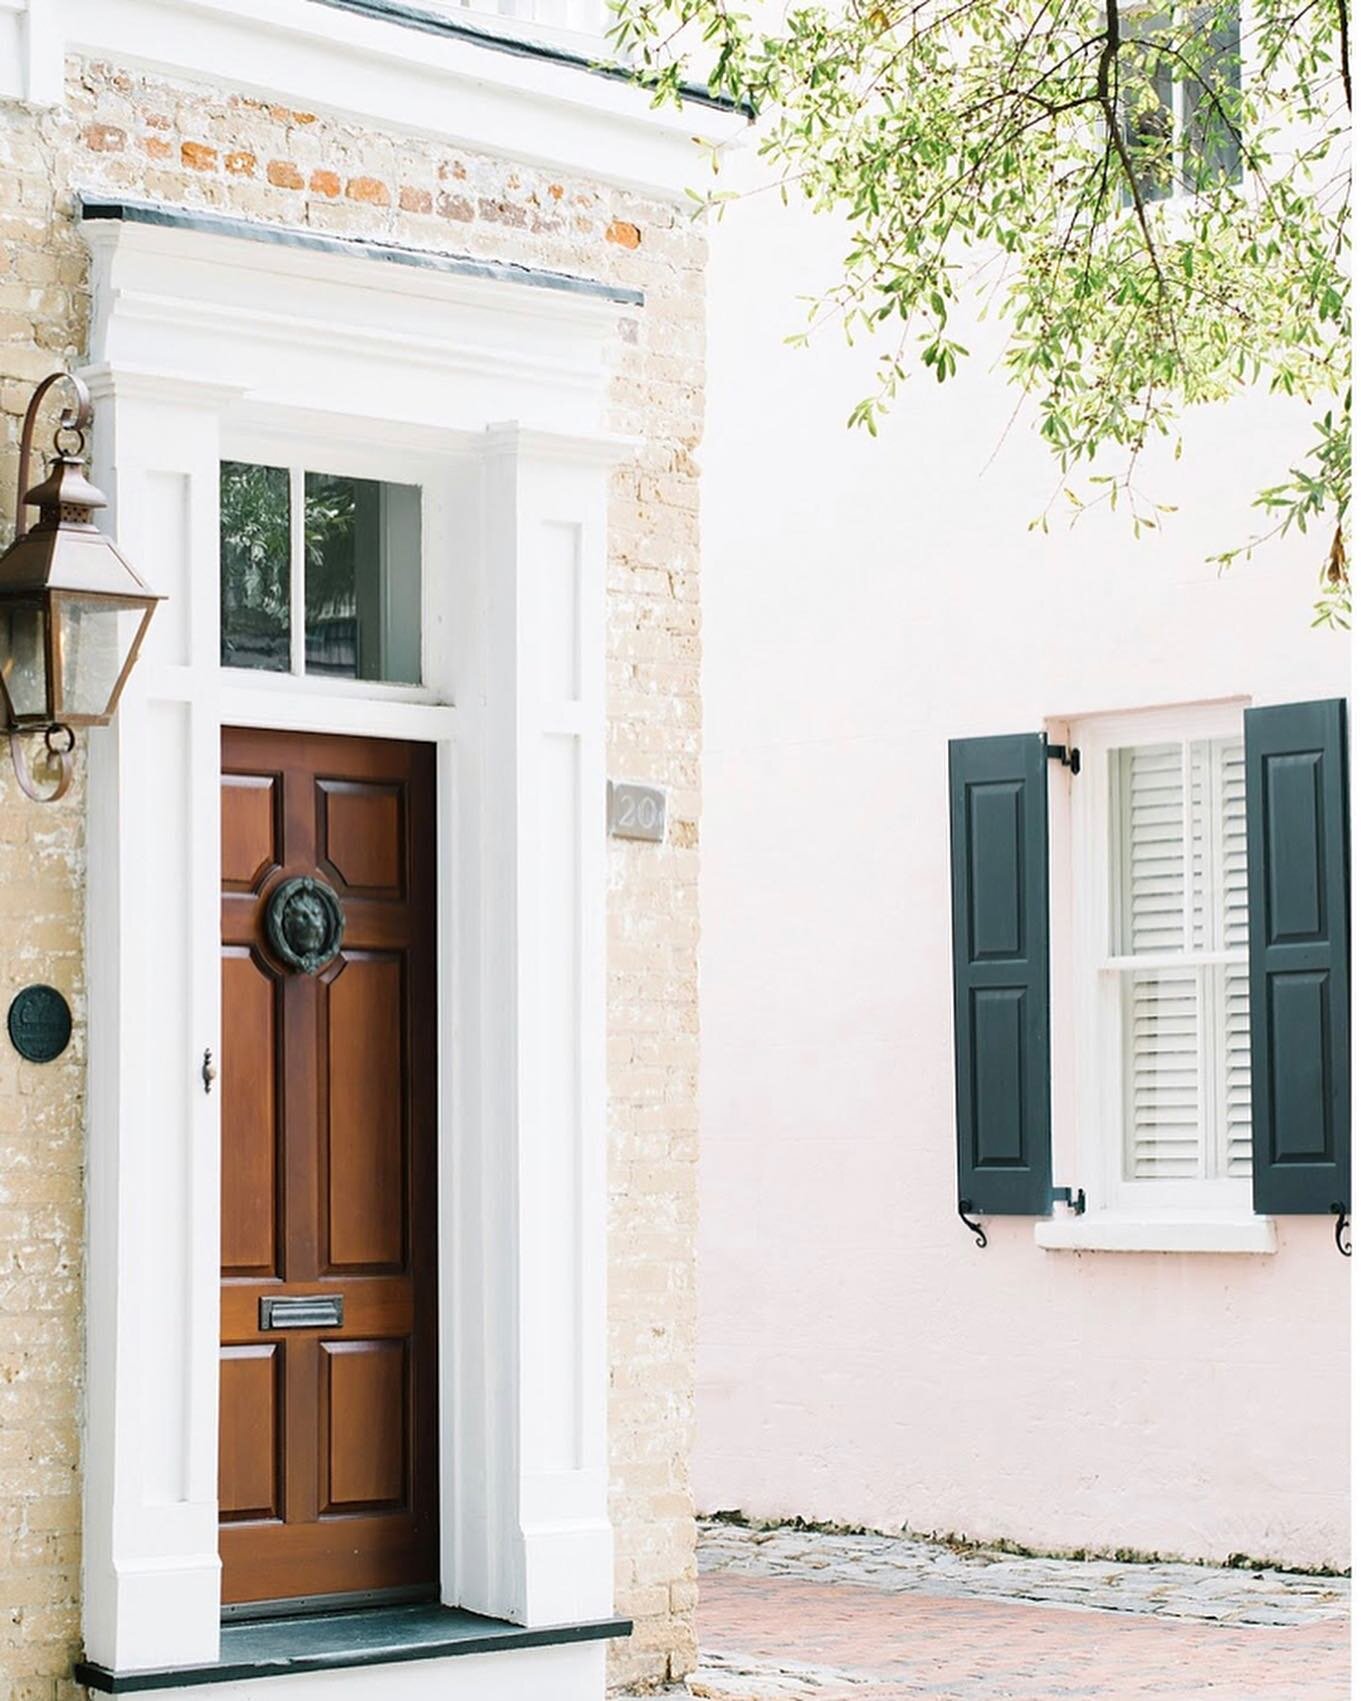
[(1099, 1065), (1179, 190)]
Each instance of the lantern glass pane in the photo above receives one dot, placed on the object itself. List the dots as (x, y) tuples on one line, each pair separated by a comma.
[(23, 646), (363, 579), (255, 557), (96, 636)]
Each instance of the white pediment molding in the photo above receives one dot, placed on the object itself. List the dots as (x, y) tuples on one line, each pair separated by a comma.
[(291, 322)]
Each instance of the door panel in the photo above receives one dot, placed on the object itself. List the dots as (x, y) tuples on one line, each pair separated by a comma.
[(361, 837), (251, 1408), (250, 1135), (365, 1109), (250, 829), (364, 1404), (328, 1469)]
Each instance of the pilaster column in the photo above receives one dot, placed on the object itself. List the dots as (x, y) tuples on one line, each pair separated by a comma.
[(534, 1544), (151, 1568)]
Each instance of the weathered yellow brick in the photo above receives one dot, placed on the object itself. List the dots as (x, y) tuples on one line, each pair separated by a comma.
[(653, 628)]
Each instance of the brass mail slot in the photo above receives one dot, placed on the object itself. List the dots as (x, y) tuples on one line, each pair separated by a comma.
[(303, 1311)]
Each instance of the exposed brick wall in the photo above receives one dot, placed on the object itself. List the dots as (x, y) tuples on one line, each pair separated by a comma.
[(43, 311), (164, 140)]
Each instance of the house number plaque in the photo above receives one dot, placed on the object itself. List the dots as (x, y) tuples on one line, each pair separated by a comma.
[(39, 1023), (637, 812)]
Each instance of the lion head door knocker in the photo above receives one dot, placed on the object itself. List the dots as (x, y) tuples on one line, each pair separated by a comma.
[(305, 924)]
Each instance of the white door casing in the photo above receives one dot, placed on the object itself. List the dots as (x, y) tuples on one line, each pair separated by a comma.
[(203, 346)]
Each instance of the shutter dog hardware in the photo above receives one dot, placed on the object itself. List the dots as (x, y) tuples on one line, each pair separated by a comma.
[(1075, 1201), (1342, 1226), (977, 1230), (1070, 758)]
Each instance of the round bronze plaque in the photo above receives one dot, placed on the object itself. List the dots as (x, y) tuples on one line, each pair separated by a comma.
[(39, 1023), (305, 924)]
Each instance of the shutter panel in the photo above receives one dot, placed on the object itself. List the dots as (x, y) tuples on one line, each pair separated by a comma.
[(1160, 1007), (1180, 835), (1236, 1158), (1298, 943), (999, 837), (1162, 1011), (1153, 843)]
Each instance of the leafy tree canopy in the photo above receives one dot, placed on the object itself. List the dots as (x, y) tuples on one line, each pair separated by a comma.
[(1156, 195)]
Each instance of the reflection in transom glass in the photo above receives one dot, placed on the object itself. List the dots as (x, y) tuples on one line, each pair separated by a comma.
[(353, 563), (363, 579), (255, 549)]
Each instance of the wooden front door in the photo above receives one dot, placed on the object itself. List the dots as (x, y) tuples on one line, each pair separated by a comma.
[(327, 1475)]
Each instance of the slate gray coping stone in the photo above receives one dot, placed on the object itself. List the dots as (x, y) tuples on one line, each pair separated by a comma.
[(318, 1642), (909, 1564)]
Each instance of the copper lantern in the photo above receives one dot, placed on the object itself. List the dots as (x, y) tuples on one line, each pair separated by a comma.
[(73, 611)]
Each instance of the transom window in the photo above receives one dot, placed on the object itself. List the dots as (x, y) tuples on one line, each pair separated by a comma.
[(321, 574)]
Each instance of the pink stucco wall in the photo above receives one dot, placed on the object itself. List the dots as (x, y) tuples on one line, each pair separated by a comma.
[(860, 1359)]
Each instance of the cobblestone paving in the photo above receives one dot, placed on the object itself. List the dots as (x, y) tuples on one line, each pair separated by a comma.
[(792, 1615), (902, 1563)]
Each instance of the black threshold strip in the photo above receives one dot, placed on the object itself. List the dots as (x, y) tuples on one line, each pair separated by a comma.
[(521, 47), (100, 208), (282, 1647)]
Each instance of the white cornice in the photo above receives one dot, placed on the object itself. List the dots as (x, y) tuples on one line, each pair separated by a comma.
[(263, 326), (597, 449), (105, 383), (325, 59)]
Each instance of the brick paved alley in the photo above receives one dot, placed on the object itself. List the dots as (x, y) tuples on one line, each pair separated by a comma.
[(795, 1616)]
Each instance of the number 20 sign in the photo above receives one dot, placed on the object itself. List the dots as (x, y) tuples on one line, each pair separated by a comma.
[(637, 812)]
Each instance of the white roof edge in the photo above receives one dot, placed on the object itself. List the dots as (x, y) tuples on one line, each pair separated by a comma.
[(325, 58)]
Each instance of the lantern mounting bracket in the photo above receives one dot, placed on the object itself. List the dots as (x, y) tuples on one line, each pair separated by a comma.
[(60, 741), (72, 419)]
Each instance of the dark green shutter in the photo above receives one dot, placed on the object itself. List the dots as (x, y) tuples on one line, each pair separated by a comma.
[(1298, 933), (999, 838)]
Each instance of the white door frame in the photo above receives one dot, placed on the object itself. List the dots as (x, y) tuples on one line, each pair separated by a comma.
[(193, 358)]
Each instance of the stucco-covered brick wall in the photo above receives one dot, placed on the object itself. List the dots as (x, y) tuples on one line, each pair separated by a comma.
[(158, 139)]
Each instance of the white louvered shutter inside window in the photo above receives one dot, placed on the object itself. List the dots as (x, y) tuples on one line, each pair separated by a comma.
[(1236, 1154), (1180, 882)]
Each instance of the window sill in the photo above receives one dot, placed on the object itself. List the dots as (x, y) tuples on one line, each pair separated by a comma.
[(333, 1641), (1110, 1231)]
